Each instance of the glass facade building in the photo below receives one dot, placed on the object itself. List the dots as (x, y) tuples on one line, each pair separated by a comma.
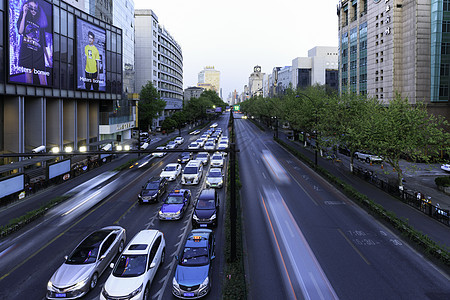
[(53, 85)]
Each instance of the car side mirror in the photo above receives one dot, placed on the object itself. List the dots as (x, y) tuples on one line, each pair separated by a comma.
[(111, 265), (66, 257), (212, 257)]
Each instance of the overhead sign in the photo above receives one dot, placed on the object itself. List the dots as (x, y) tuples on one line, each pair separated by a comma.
[(236, 107)]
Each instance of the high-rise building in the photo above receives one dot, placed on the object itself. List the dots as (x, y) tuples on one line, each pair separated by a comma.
[(158, 59), (388, 47), (209, 76)]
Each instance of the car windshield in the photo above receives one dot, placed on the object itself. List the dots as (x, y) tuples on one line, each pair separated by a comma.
[(205, 204), (83, 255), (130, 266), (185, 154), (209, 144), (193, 145), (170, 168), (202, 155), (215, 174), (217, 157), (174, 200), (194, 256), (152, 186), (190, 170)]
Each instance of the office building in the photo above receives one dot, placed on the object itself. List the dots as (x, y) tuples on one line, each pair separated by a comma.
[(158, 59), (388, 47), (192, 92), (209, 78)]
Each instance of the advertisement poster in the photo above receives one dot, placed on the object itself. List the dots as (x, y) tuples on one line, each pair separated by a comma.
[(30, 42), (91, 50)]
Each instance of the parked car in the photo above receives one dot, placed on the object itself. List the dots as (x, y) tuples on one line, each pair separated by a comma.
[(214, 179), (192, 173), (153, 190), (445, 167), (81, 269), (185, 157), (206, 209), (192, 277), (135, 269), (175, 205), (367, 157), (171, 171)]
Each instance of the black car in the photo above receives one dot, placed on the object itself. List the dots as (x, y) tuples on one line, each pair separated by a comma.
[(185, 157), (206, 209), (153, 190)]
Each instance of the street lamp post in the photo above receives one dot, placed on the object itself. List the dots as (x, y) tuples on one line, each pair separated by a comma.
[(316, 122)]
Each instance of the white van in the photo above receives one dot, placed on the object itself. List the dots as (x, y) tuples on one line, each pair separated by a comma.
[(192, 173)]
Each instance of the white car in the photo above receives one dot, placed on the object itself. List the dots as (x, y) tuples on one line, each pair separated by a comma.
[(368, 158), (445, 167), (201, 142), (179, 140), (171, 171), (192, 173), (214, 125), (214, 179), (194, 146), (217, 160), (135, 269), (161, 152), (171, 145), (209, 146), (203, 157)]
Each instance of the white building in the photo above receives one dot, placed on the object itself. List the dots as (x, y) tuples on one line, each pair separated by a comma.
[(320, 67)]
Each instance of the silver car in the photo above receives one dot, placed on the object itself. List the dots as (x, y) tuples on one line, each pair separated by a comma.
[(82, 268)]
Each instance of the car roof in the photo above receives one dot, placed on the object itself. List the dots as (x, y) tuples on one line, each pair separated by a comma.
[(207, 194), (215, 170), (177, 192), (141, 241), (194, 163), (198, 238), (172, 165), (96, 238)]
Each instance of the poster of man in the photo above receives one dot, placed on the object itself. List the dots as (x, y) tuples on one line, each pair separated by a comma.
[(31, 42), (91, 42)]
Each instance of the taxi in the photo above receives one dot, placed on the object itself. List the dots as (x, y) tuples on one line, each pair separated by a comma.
[(175, 205)]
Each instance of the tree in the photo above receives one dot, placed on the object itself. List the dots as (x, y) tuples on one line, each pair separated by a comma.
[(150, 105), (402, 128), (168, 124)]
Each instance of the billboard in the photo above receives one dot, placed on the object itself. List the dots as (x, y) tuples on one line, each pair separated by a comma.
[(30, 42), (11, 185), (58, 168), (91, 53)]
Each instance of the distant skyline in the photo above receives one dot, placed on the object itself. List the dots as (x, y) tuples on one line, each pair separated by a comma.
[(234, 36)]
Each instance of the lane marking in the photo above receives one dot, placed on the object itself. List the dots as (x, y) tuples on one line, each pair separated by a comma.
[(354, 247)]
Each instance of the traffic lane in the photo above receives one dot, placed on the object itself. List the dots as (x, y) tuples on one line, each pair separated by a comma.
[(336, 228), (264, 275), (50, 238)]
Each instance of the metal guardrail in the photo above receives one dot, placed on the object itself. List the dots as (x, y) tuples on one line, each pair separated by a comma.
[(422, 204)]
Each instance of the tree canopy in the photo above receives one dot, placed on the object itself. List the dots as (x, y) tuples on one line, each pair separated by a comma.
[(150, 105)]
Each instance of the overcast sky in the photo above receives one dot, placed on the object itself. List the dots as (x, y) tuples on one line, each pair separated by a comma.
[(236, 35)]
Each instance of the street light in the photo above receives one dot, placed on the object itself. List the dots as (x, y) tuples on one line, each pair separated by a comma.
[(316, 122)]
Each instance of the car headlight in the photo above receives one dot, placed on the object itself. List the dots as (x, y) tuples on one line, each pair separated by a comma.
[(80, 284), (194, 216), (178, 212), (204, 283), (49, 285), (160, 212), (213, 217), (135, 292), (175, 283)]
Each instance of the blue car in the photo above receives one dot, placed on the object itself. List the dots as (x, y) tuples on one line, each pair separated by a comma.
[(192, 278), (174, 206)]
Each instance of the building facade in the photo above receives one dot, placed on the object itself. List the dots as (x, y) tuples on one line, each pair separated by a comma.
[(255, 82), (209, 77), (158, 59), (192, 92), (320, 67), (56, 99), (391, 46)]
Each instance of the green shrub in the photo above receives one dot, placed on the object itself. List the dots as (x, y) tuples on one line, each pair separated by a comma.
[(442, 181)]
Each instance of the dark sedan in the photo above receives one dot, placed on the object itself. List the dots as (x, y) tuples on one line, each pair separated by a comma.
[(153, 190), (185, 157)]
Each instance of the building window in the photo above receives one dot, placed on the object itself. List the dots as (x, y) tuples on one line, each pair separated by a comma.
[(443, 90), (445, 48), (445, 26), (445, 69), (446, 5)]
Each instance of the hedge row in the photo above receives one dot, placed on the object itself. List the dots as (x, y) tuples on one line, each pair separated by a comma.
[(420, 239)]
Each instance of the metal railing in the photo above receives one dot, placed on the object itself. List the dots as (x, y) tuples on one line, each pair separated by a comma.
[(421, 203)]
